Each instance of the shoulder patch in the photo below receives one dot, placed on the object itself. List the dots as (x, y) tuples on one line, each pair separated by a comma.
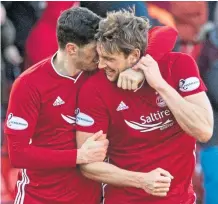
[(83, 119), (189, 84), (16, 123)]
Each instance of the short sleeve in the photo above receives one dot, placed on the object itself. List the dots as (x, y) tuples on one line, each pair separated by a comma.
[(186, 76), (23, 109), (92, 114)]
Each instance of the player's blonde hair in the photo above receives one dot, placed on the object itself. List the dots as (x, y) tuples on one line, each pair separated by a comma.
[(122, 31)]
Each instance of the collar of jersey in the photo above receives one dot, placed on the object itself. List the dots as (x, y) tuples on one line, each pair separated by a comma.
[(61, 75)]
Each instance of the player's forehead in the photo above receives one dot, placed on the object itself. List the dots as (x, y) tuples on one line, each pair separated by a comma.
[(103, 53)]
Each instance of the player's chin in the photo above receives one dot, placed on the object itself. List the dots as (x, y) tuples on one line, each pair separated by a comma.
[(112, 78), (90, 69)]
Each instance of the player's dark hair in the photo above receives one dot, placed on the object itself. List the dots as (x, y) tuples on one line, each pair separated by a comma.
[(122, 31), (77, 25)]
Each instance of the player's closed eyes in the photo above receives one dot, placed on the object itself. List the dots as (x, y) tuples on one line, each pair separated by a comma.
[(96, 60), (108, 59)]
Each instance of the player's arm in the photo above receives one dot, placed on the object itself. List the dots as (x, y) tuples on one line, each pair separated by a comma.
[(193, 113), (93, 116), (22, 117), (156, 182), (105, 172), (189, 103)]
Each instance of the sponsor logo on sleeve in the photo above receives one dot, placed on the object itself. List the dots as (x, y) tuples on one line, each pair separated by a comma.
[(16, 123), (189, 84), (83, 119)]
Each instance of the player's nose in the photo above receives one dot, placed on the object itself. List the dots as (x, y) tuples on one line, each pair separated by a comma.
[(101, 64)]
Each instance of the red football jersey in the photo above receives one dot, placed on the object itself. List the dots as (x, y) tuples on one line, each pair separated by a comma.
[(142, 131), (41, 112)]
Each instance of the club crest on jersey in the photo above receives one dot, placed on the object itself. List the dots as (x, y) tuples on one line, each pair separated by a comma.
[(160, 102), (83, 119), (189, 84), (150, 122), (16, 123)]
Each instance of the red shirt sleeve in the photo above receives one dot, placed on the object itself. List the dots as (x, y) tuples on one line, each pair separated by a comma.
[(21, 120), (186, 76), (23, 109), (92, 113), (161, 40)]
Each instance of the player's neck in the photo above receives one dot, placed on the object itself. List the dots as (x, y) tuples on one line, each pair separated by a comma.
[(64, 66)]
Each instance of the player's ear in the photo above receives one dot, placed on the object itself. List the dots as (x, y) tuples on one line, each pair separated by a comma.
[(134, 57), (71, 48)]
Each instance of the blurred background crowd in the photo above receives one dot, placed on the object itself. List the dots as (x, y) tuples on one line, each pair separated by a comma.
[(28, 35)]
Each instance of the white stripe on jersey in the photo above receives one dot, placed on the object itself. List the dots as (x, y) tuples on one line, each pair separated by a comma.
[(18, 190), (21, 188), (107, 160), (194, 154)]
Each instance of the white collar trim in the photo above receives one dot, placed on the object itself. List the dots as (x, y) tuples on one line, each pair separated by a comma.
[(61, 75)]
